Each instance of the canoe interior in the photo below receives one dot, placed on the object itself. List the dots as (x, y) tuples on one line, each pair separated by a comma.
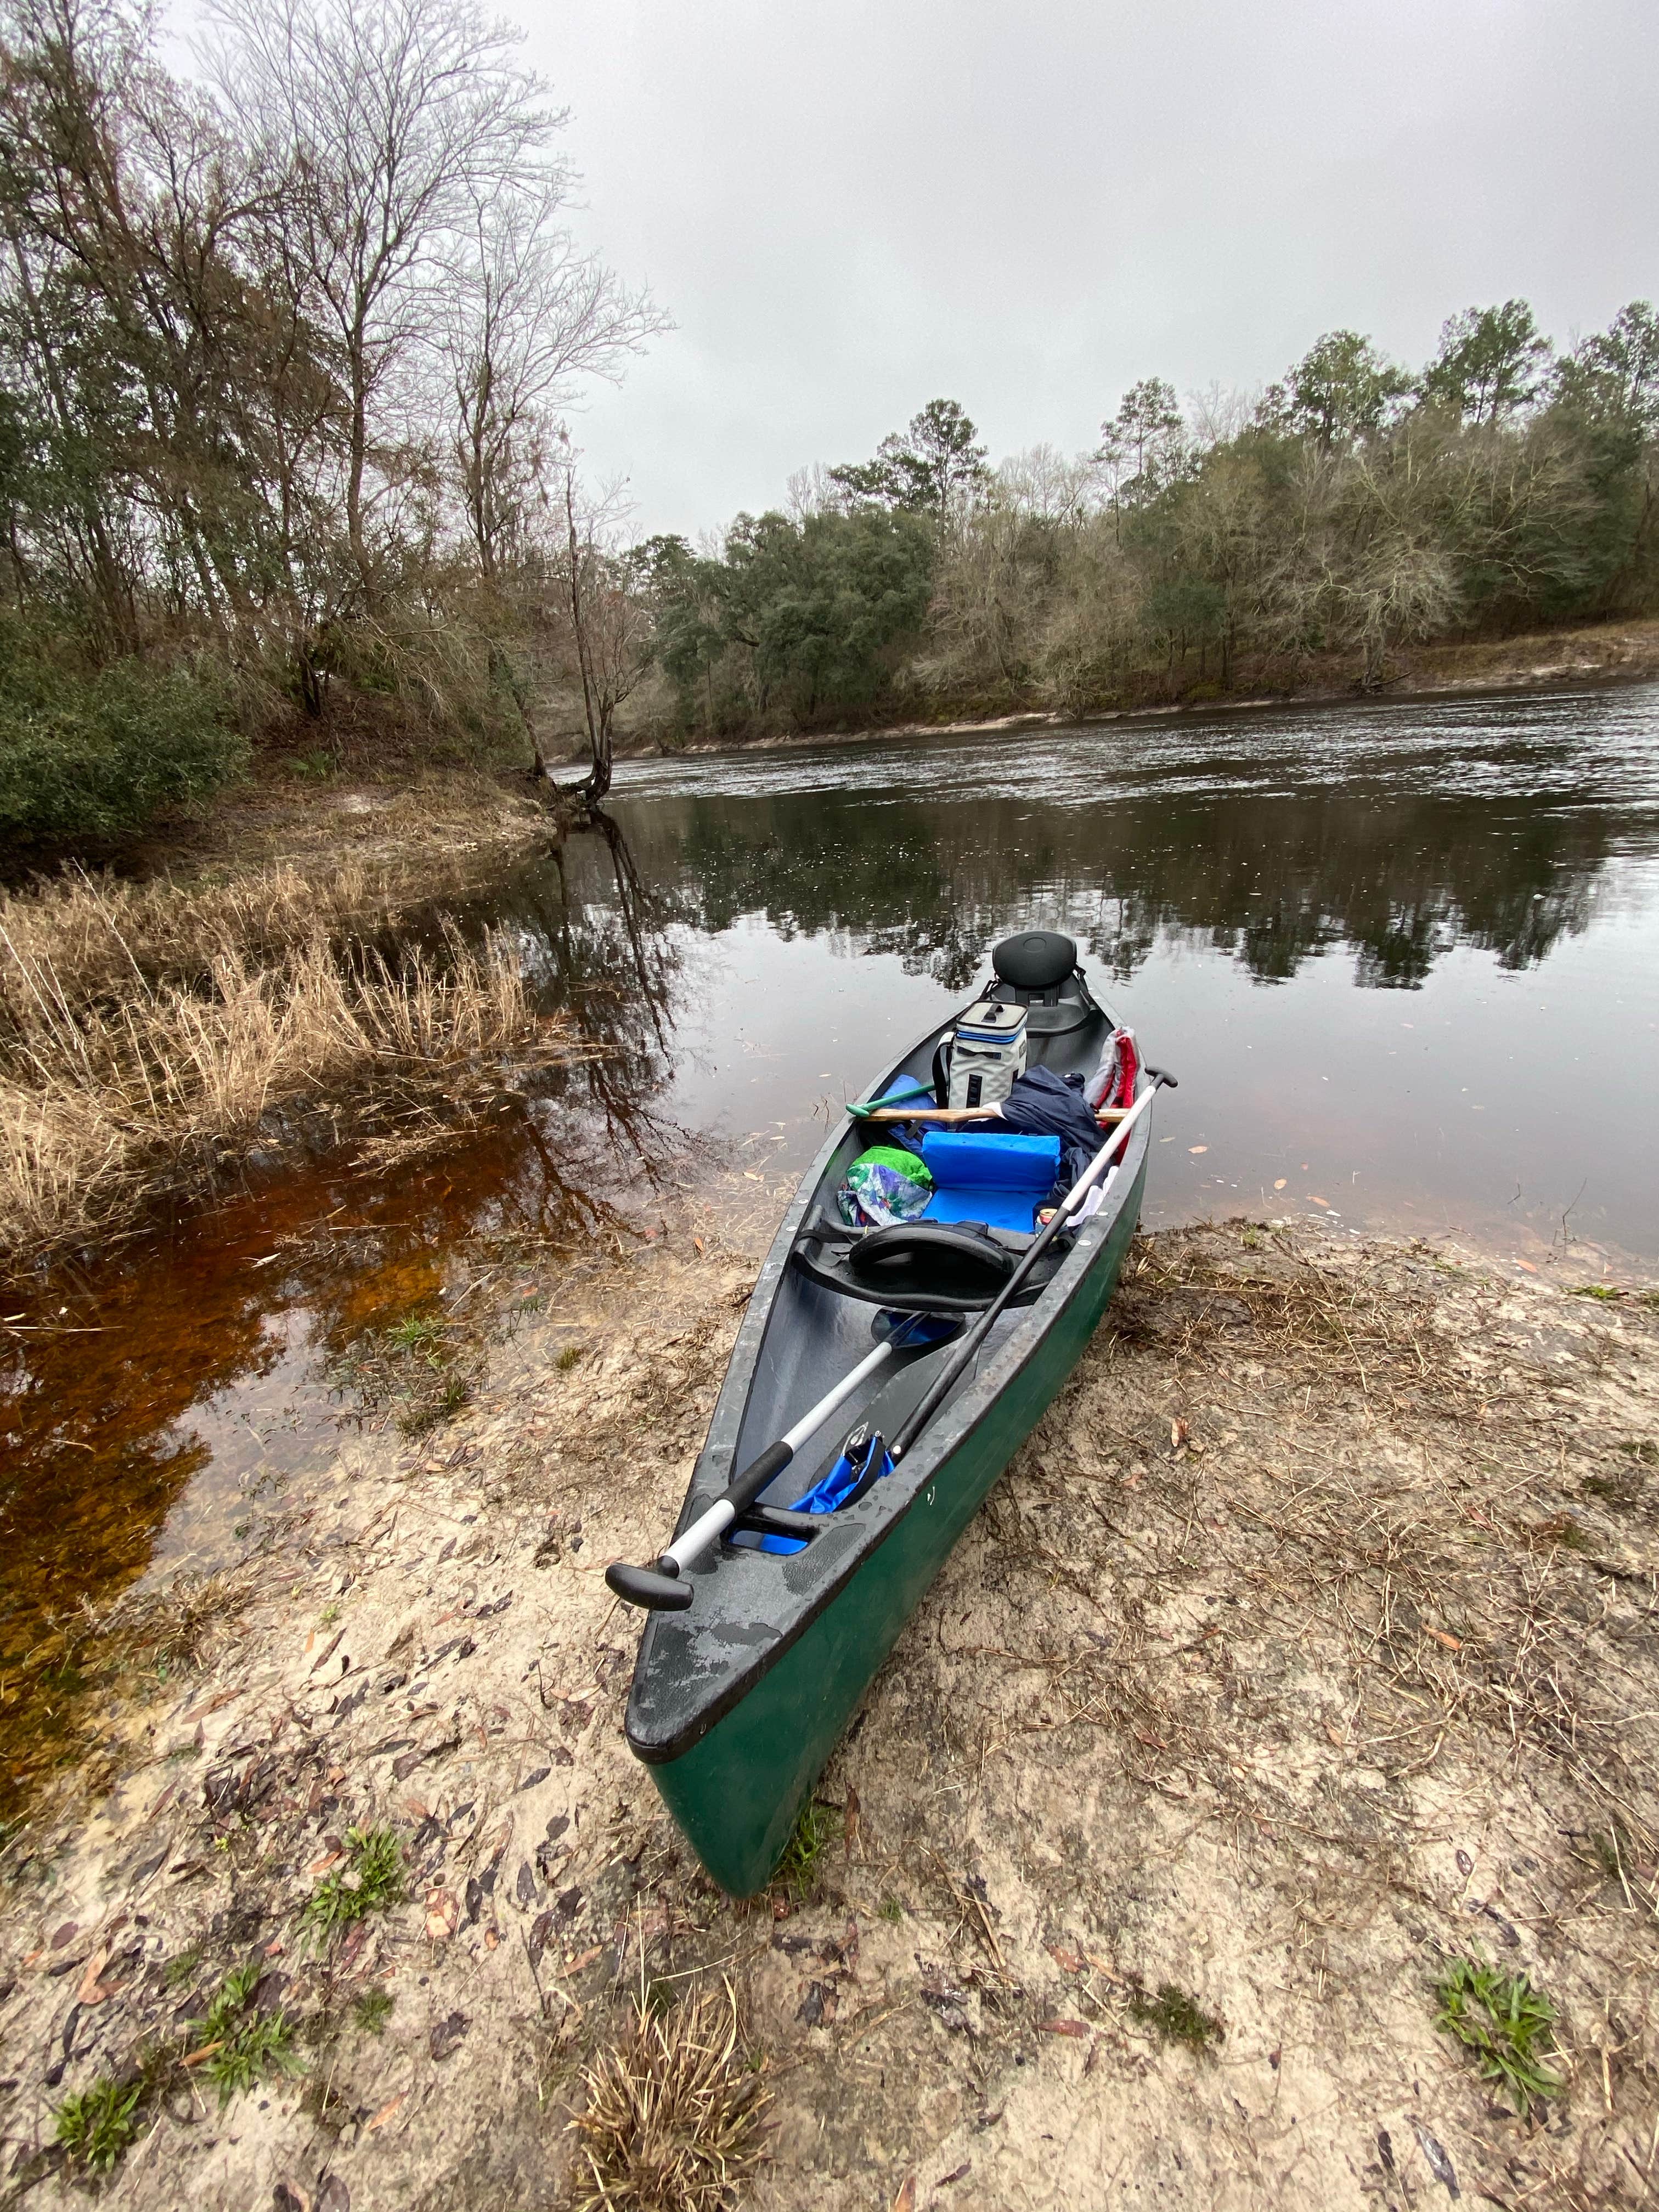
[(798, 1339), (813, 1336)]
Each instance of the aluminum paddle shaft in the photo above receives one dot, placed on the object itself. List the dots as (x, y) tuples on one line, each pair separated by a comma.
[(962, 1357), (659, 1588)]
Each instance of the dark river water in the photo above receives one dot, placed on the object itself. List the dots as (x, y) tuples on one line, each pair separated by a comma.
[(1403, 957)]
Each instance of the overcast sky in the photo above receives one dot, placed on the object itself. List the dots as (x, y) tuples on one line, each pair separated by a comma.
[(850, 207)]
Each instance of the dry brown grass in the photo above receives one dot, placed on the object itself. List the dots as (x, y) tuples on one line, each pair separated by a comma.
[(671, 2121), (180, 1625), (93, 932), (150, 1037)]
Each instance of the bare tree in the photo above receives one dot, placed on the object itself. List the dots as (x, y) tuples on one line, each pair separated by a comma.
[(610, 629), (527, 317), (383, 129)]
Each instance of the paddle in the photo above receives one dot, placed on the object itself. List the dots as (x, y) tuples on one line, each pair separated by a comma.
[(660, 1589), (962, 1357), (949, 1114), (868, 1109)]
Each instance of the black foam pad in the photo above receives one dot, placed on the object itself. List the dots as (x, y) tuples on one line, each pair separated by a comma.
[(1036, 960)]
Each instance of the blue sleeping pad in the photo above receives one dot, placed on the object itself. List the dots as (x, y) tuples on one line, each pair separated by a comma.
[(998, 1177)]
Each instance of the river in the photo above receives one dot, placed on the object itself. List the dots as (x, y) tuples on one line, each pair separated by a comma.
[(1403, 957)]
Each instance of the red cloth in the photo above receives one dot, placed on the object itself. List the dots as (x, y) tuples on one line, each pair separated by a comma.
[(1127, 1068)]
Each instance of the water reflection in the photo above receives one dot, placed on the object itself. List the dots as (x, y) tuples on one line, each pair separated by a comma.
[(1272, 880), (1485, 871)]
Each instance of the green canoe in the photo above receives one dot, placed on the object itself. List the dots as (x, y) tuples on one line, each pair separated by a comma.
[(737, 1702)]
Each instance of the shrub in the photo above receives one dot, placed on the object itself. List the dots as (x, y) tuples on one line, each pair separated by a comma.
[(94, 753)]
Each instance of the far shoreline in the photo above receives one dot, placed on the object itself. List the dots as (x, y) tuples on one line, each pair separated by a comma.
[(1629, 654)]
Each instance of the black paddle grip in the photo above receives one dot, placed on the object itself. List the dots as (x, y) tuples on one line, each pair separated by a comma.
[(745, 1488), (644, 1586)]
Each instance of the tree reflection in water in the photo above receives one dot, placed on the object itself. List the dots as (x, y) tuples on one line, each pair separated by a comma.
[(1273, 880)]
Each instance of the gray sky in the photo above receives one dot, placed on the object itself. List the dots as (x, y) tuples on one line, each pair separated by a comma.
[(853, 206)]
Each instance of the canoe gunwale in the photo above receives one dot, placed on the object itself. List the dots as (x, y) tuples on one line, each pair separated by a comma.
[(950, 1430)]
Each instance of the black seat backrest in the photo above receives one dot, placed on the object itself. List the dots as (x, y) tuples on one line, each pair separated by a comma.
[(1034, 964)]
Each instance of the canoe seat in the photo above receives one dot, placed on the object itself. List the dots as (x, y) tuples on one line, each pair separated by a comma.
[(999, 1178), (919, 1266)]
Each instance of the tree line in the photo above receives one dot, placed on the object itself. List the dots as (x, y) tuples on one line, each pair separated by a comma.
[(1353, 508), (287, 347)]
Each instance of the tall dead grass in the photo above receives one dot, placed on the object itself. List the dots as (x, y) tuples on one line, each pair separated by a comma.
[(95, 932), (150, 1037)]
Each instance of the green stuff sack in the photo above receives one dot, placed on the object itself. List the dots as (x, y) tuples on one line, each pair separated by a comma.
[(883, 1185)]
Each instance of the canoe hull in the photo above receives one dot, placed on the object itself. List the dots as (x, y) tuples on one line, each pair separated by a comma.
[(737, 1793)]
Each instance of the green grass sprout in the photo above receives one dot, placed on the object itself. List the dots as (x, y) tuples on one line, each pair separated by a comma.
[(1506, 2022), (372, 2011), (95, 2125), (372, 1879), (818, 1826), (245, 2046)]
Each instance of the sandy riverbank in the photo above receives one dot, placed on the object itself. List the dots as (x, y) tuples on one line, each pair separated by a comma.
[(1307, 1646)]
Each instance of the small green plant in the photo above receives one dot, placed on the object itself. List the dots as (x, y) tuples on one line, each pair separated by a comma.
[(372, 1880), (568, 1358), (328, 1616), (1643, 1448), (457, 1392), (95, 2125), (818, 1826), (243, 2046), (318, 766), (891, 1909), (1250, 1238), (1506, 2022), (1608, 1292), (1177, 2017), (418, 1334), (372, 2011), (179, 1968)]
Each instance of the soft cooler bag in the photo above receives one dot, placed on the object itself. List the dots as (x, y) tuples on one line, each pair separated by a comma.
[(987, 1052)]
